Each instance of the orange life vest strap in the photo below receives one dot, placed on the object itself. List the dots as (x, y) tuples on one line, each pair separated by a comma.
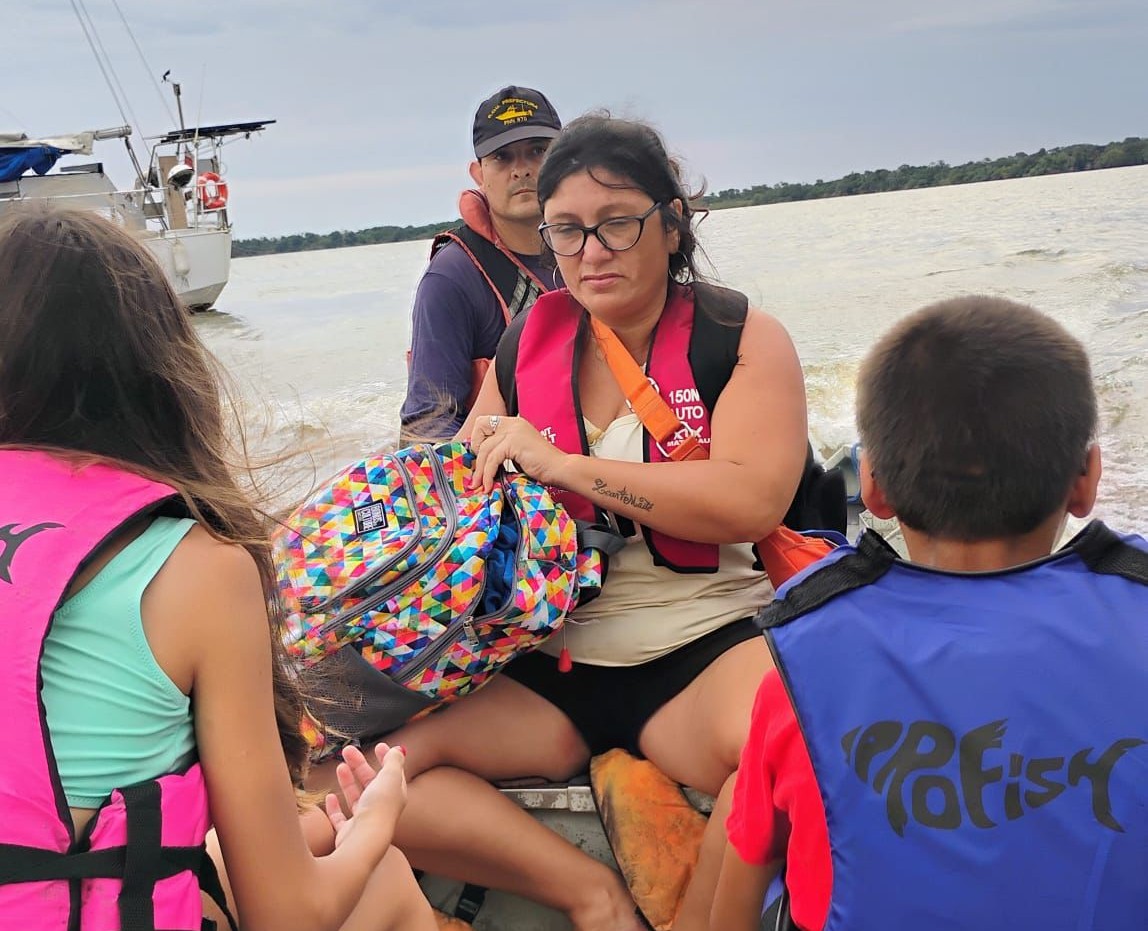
[(783, 552), (656, 415)]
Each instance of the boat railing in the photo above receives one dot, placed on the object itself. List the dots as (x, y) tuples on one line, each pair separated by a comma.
[(132, 207)]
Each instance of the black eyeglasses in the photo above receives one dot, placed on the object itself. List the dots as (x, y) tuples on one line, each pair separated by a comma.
[(617, 234)]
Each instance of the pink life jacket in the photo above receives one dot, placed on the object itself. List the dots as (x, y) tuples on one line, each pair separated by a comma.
[(550, 342), (137, 864)]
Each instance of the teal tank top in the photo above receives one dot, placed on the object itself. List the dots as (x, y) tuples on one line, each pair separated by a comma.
[(114, 715)]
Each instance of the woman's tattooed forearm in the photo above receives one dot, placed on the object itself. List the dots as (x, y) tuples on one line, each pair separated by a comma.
[(622, 495)]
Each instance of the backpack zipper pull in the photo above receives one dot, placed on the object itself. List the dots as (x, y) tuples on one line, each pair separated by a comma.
[(565, 664)]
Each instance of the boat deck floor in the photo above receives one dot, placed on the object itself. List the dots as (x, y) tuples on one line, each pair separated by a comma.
[(568, 809)]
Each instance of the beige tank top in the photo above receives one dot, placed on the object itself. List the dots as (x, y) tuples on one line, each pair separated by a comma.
[(646, 611)]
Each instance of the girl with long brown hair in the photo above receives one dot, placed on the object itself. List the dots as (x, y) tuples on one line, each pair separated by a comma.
[(166, 646)]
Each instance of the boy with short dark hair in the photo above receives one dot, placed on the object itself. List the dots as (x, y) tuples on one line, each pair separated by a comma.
[(958, 741)]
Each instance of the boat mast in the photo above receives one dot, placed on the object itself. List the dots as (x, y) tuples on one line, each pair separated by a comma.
[(175, 89), (87, 24)]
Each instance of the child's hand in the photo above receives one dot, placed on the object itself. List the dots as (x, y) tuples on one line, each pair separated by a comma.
[(375, 798)]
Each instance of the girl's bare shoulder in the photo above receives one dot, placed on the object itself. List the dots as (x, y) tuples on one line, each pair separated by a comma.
[(200, 550), (204, 572)]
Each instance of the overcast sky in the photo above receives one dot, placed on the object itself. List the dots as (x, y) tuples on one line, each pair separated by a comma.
[(374, 98)]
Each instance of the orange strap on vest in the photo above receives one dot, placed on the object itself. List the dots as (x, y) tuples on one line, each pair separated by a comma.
[(784, 552), (642, 398)]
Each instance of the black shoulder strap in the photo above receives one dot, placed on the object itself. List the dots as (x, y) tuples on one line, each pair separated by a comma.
[(441, 239), (873, 559), (502, 272), (719, 317), (1100, 549), (1104, 552), (516, 290), (506, 361)]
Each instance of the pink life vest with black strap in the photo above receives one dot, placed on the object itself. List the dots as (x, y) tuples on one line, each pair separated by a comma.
[(140, 862), (551, 340)]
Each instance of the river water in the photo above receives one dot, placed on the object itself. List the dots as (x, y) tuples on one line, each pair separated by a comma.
[(315, 341)]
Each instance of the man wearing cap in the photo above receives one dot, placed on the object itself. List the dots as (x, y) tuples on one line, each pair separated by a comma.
[(483, 273)]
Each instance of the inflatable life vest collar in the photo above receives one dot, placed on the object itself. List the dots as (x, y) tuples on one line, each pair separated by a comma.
[(211, 191), (474, 209)]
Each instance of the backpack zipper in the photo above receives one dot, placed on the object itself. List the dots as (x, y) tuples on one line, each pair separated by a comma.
[(365, 580), (446, 639), (450, 511), (466, 624)]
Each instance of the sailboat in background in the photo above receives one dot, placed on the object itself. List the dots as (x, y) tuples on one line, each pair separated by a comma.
[(177, 204)]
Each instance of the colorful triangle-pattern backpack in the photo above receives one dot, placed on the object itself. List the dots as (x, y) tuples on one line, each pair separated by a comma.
[(405, 588)]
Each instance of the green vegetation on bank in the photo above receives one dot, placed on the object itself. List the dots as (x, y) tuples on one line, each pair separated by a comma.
[(306, 242), (1132, 151)]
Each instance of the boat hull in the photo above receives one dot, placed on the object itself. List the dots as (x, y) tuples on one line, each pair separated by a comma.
[(197, 262), (196, 259)]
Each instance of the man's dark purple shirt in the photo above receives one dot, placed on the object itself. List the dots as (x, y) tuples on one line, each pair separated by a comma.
[(456, 319)]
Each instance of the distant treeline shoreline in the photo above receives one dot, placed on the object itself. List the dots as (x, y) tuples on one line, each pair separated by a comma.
[(1082, 157)]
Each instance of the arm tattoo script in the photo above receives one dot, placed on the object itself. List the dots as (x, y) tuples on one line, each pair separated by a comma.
[(622, 495)]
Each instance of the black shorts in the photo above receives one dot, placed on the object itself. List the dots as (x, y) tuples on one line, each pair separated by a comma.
[(609, 705)]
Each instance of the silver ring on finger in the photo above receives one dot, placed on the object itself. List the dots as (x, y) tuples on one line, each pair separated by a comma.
[(494, 422)]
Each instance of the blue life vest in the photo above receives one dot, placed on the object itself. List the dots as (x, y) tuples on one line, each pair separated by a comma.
[(979, 740)]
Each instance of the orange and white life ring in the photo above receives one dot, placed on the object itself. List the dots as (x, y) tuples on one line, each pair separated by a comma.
[(211, 191)]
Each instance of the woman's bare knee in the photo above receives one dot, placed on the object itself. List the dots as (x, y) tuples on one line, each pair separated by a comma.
[(570, 755), (504, 731), (698, 735)]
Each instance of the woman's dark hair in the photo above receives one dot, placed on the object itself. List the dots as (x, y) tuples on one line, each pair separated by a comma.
[(99, 361), (633, 151)]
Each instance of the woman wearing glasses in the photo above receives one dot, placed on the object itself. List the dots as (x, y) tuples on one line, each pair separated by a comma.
[(666, 661)]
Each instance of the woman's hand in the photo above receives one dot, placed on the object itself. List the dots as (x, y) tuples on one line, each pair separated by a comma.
[(373, 797), (496, 438)]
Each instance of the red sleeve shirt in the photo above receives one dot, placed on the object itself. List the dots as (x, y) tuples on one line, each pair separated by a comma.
[(777, 810)]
